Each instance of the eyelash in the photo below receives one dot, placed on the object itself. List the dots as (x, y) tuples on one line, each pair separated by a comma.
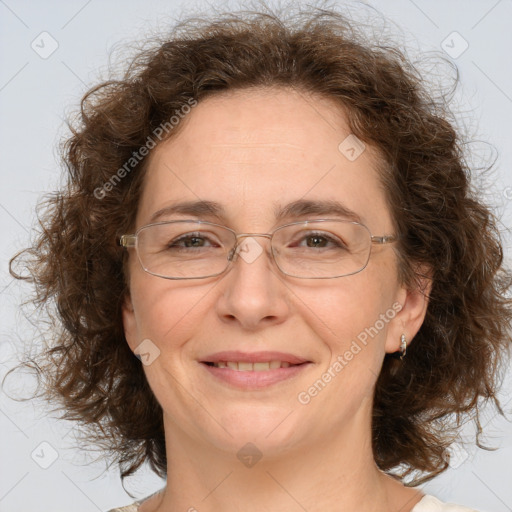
[(303, 237)]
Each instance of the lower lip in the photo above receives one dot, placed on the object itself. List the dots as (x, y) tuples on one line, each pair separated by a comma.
[(251, 380)]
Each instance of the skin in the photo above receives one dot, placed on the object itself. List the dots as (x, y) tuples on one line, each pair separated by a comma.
[(250, 151)]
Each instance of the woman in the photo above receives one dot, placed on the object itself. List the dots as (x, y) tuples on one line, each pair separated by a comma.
[(275, 218)]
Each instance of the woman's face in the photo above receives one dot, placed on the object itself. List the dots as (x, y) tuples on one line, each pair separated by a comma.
[(254, 153)]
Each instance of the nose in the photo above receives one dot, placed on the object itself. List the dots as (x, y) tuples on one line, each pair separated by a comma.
[(253, 293)]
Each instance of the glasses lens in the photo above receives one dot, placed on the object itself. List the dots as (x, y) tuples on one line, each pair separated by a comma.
[(184, 249), (322, 249)]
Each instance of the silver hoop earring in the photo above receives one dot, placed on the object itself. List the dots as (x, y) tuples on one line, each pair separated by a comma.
[(403, 347)]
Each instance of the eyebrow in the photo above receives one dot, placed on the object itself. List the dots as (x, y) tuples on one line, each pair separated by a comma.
[(208, 209), (306, 208), (296, 209)]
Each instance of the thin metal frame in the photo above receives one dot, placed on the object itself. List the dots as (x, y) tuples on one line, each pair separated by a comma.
[(130, 241)]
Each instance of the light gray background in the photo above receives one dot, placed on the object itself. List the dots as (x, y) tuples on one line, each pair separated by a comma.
[(36, 93)]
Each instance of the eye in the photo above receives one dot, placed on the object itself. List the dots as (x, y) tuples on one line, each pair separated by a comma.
[(192, 240), (316, 241), (320, 240)]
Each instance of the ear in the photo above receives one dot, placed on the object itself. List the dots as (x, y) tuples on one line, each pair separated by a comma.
[(129, 322), (414, 302)]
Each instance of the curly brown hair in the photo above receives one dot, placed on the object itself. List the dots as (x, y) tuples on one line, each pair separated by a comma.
[(78, 267)]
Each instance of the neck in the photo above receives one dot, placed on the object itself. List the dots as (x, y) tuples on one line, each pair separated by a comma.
[(336, 473)]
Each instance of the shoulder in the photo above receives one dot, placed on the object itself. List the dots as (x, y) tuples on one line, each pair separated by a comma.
[(134, 507), (431, 504), (427, 504)]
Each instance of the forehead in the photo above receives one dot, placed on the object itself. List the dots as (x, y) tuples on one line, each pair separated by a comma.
[(256, 151)]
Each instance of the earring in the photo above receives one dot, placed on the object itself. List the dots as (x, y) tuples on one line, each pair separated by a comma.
[(403, 347)]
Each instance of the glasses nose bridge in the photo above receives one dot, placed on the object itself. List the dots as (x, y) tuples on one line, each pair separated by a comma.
[(250, 235), (241, 236)]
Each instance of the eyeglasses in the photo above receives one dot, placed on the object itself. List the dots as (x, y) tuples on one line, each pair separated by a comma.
[(317, 249)]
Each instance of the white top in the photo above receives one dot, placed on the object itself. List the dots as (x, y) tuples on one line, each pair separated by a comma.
[(427, 504), (431, 504)]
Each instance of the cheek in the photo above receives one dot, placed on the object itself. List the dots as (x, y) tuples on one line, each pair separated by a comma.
[(345, 310), (351, 322), (167, 312)]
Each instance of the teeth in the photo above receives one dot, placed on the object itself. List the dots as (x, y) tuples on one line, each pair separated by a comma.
[(257, 367), (243, 366)]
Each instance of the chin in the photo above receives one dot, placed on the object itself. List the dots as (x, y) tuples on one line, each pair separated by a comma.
[(269, 428)]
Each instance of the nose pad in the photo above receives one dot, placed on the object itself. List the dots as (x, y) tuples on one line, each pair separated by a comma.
[(232, 253), (249, 249)]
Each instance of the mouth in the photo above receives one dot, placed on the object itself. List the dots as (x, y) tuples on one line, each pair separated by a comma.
[(253, 371), (247, 366)]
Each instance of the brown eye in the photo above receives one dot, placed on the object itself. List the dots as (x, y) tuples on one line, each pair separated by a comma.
[(317, 241), (191, 240)]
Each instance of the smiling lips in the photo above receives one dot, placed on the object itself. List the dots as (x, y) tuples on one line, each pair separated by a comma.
[(253, 371), (243, 366)]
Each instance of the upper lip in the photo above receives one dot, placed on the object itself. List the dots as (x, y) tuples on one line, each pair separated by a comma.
[(253, 357)]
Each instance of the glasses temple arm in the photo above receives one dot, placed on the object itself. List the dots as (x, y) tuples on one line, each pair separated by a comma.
[(128, 240), (385, 239)]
